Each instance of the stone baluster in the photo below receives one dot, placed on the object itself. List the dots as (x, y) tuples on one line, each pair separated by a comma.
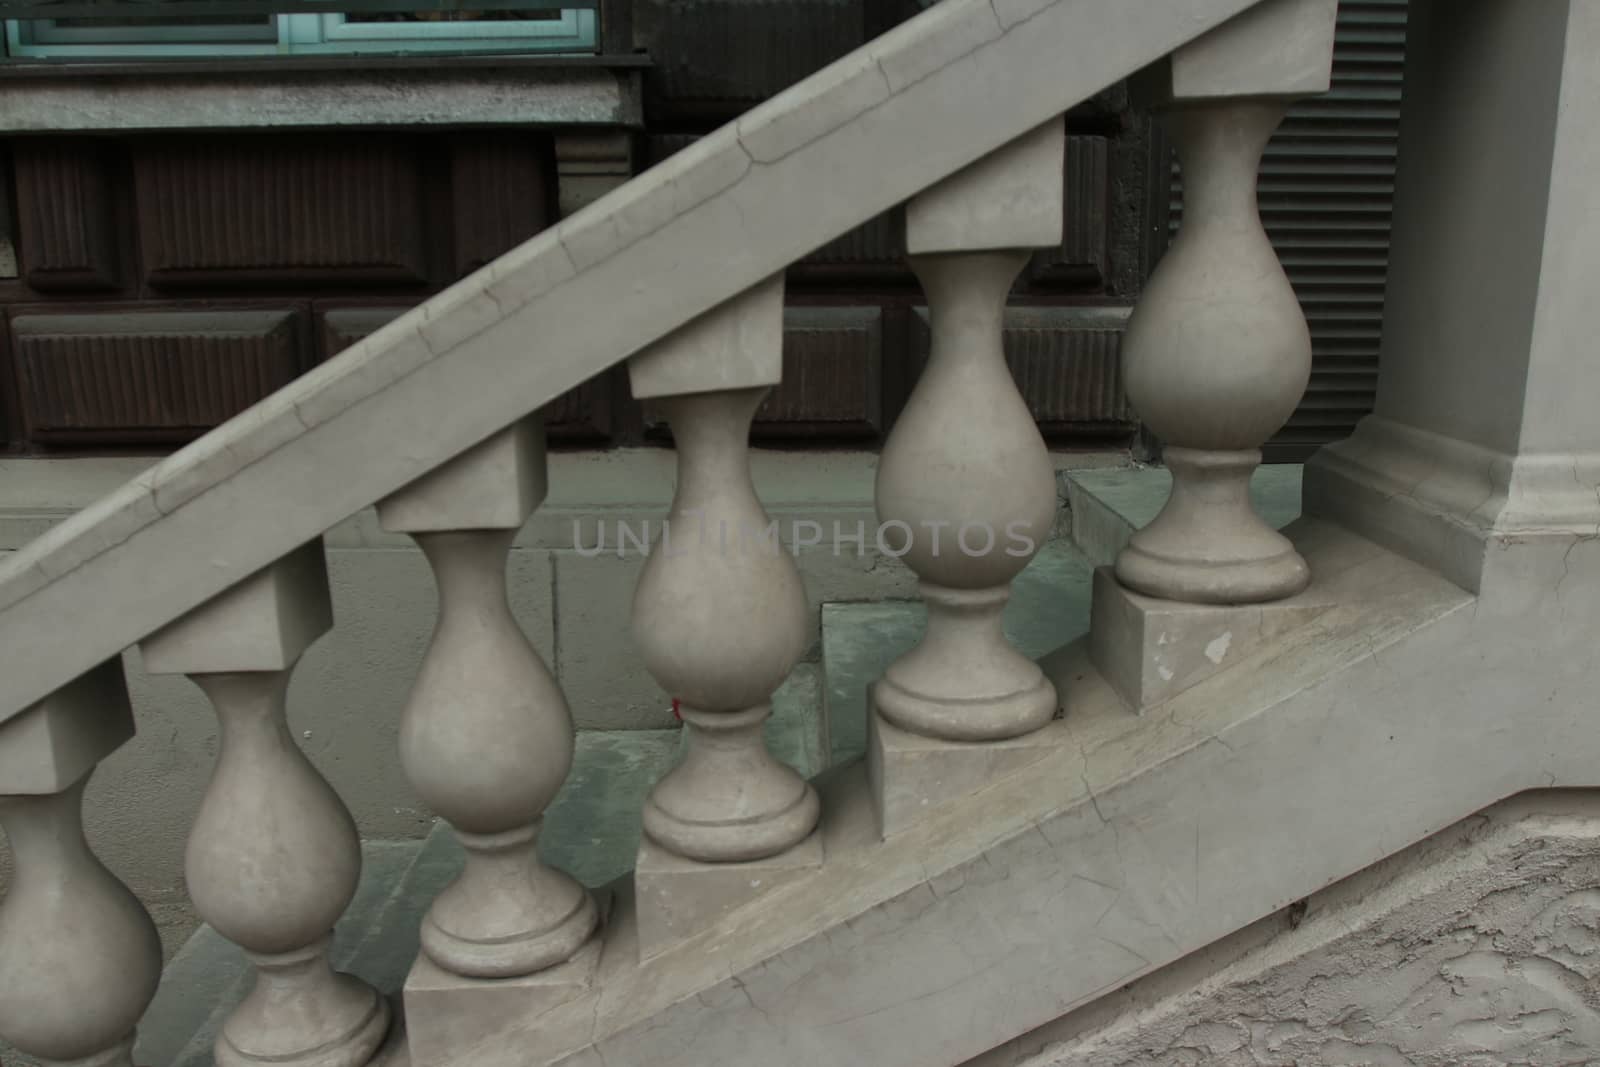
[(1217, 353), (486, 737), (720, 614), (965, 480), (79, 957), (273, 857)]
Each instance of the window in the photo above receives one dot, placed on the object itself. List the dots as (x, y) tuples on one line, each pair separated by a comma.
[(564, 30)]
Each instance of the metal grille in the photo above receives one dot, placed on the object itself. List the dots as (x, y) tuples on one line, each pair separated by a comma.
[(1326, 193)]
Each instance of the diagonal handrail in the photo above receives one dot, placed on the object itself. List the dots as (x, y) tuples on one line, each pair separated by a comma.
[(853, 140)]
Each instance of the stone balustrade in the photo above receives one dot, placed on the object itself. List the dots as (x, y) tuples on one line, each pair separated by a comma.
[(965, 480), (486, 737), (79, 957), (1218, 353), (273, 857), (719, 614), (1216, 358)]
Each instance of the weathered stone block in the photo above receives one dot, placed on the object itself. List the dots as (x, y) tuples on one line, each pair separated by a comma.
[(1011, 198), (446, 1012), (494, 486), (912, 775), (262, 624), (1280, 48), (736, 346), (677, 898), (1151, 649), (60, 739)]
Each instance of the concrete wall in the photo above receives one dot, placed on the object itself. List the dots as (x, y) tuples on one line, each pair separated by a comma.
[(347, 693), (1478, 947)]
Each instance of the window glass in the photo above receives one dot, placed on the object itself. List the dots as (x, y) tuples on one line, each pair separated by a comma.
[(454, 16), (135, 37)]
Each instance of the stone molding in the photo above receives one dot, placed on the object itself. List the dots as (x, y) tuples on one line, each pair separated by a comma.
[(421, 95), (1447, 502)]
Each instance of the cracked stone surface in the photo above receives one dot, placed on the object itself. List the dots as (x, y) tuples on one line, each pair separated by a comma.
[(1476, 948), (1135, 842)]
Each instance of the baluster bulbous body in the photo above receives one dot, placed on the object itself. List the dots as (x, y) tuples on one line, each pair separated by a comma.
[(1216, 357), (966, 481), (721, 619), (486, 740), (272, 863), (79, 957)]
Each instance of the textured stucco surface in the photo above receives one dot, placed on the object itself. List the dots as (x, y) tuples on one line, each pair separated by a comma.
[(1477, 948)]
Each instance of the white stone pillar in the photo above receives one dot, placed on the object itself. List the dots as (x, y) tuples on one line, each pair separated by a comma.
[(273, 857), (1482, 458), (720, 613), (486, 737), (79, 957), (1217, 353), (965, 484)]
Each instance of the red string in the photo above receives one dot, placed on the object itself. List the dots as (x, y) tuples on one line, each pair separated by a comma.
[(676, 714)]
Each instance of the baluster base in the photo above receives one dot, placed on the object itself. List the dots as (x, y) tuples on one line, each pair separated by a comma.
[(303, 1013), (1150, 650), (730, 800), (1208, 545), (964, 681), (507, 914), (675, 898), (912, 775), (447, 1012)]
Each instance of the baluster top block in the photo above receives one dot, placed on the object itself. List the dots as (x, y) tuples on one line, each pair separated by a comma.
[(262, 624), (495, 485), (1278, 48), (1011, 198), (61, 738), (737, 345)]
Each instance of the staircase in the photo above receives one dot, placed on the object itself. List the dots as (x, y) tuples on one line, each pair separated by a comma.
[(1252, 716)]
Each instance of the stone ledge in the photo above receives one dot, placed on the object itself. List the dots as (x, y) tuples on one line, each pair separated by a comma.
[(141, 99)]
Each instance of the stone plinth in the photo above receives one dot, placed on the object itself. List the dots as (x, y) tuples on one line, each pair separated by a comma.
[(1151, 649), (912, 775), (677, 898), (446, 1012)]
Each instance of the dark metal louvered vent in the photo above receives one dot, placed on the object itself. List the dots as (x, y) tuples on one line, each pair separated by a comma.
[(1326, 193)]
